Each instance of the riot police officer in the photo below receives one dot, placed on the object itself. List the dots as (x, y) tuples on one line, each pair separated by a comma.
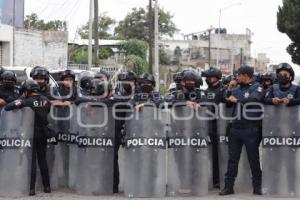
[(285, 92), (188, 89), (245, 130), (102, 75), (215, 93), (41, 107), (41, 76), (124, 91), (67, 89), (268, 80), (146, 83), (8, 89)]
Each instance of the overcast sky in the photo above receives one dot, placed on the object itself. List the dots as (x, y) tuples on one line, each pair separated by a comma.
[(189, 15)]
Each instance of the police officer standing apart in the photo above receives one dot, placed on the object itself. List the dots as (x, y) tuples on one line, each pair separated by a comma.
[(285, 92), (41, 107), (8, 89), (215, 93), (245, 130)]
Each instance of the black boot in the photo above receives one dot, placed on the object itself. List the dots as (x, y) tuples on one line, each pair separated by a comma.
[(47, 189), (32, 192), (227, 191), (257, 190)]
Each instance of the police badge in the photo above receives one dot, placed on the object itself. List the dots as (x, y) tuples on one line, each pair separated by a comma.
[(246, 95)]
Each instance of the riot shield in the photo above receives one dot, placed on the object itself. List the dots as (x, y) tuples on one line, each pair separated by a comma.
[(145, 153), (73, 149), (188, 157), (243, 181), (96, 149), (16, 137), (280, 155), (62, 118)]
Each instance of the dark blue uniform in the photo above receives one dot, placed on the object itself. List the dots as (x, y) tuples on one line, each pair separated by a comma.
[(245, 131), (292, 93)]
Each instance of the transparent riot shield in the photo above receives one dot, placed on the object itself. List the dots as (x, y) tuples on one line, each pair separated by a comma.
[(16, 137), (96, 149), (145, 153), (188, 156), (281, 154)]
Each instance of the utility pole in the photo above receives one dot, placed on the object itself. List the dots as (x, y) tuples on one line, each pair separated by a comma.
[(90, 49), (96, 34), (241, 58), (150, 40), (156, 48), (209, 47)]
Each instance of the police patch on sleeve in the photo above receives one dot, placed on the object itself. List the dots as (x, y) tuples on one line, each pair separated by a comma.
[(259, 89)]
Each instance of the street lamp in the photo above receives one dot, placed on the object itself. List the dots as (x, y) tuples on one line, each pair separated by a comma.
[(219, 30)]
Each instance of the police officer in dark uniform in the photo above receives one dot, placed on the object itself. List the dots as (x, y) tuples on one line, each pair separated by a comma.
[(8, 89), (41, 76), (41, 107), (285, 92), (66, 92), (124, 91), (268, 80), (188, 89), (102, 75), (146, 83), (215, 93), (245, 130)]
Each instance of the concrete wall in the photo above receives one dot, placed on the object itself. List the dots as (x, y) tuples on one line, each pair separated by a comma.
[(41, 48), (6, 36), (48, 48)]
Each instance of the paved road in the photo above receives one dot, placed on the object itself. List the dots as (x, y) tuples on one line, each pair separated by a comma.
[(68, 195)]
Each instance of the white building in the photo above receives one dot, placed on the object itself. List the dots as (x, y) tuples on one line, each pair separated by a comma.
[(19, 47)]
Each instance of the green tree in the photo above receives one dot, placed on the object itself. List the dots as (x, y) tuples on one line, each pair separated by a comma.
[(164, 58), (105, 25), (288, 22), (136, 64), (136, 25), (136, 53), (32, 21)]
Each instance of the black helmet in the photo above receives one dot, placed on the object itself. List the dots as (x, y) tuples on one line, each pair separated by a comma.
[(1, 70), (147, 77), (227, 79), (102, 73), (246, 70), (86, 82), (199, 81), (287, 67), (177, 77), (212, 72), (30, 85), (268, 76), (67, 73), (127, 76), (189, 75), (39, 72), (257, 77), (9, 76)]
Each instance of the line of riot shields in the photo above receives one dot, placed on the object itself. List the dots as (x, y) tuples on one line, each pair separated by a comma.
[(166, 152)]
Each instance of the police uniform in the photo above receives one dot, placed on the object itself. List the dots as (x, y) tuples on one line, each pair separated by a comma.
[(8, 90), (215, 93), (245, 132), (41, 107)]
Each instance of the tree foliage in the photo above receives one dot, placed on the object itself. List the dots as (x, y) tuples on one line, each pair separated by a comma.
[(136, 25), (105, 25), (33, 22), (288, 22)]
